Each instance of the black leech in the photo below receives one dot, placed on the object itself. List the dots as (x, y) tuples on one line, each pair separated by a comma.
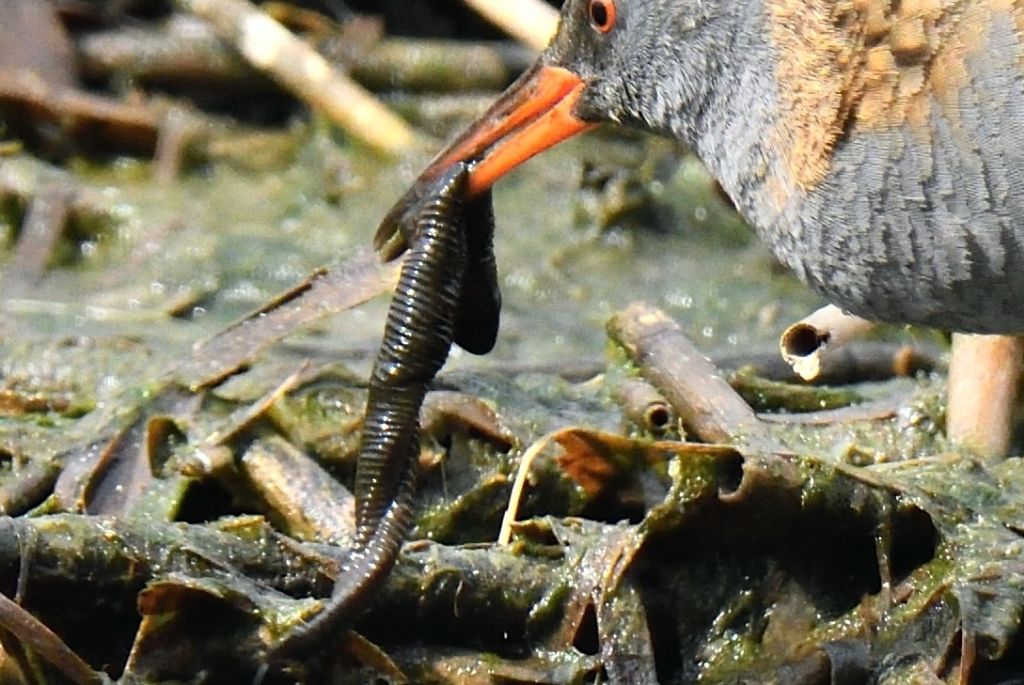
[(476, 321), (417, 337), (394, 235)]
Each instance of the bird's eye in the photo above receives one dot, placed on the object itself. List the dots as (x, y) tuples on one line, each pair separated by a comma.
[(602, 15)]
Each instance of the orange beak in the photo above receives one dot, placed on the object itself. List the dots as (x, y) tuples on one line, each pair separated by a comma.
[(535, 113)]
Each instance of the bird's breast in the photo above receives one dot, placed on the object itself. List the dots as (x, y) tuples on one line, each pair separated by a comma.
[(897, 184), (843, 67)]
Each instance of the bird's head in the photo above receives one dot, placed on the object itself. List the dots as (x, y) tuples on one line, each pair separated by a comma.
[(611, 60), (636, 59)]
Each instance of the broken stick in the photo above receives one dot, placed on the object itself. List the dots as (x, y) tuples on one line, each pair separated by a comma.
[(707, 405), (271, 48), (806, 342), (531, 21)]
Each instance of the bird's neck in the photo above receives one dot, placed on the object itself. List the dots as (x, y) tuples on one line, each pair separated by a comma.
[(729, 113), (729, 123)]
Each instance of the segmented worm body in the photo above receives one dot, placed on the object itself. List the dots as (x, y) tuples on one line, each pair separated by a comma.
[(447, 292), (476, 320), (476, 324)]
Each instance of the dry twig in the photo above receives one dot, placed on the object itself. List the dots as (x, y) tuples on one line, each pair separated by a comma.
[(531, 21), (35, 635), (185, 52), (643, 404), (44, 224), (707, 406), (853, 363), (78, 114), (516, 496), (806, 342), (299, 493), (325, 292), (271, 48)]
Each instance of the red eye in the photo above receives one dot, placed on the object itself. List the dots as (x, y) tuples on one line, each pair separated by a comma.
[(602, 15)]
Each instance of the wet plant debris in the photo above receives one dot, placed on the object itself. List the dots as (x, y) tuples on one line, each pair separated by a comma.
[(631, 487)]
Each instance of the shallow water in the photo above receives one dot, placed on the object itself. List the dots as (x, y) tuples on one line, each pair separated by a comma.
[(224, 239)]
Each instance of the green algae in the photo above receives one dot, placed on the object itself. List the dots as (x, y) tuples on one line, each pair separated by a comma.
[(749, 566)]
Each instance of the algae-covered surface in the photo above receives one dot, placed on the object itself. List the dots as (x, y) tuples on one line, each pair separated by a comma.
[(222, 240), (170, 514)]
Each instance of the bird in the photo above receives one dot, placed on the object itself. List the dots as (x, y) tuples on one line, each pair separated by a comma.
[(875, 146)]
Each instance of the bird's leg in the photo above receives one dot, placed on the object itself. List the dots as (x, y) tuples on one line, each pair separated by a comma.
[(984, 375)]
